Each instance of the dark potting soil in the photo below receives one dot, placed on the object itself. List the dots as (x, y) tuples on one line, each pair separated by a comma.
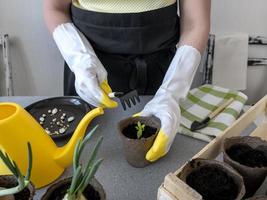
[(246, 155), (131, 132), (23, 195), (59, 193), (212, 183)]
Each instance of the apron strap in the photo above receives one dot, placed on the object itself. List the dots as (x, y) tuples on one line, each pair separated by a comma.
[(139, 81)]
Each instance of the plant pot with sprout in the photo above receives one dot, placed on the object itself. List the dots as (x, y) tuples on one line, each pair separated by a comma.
[(82, 185), (213, 180), (138, 135), (248, 155), (16, 186)]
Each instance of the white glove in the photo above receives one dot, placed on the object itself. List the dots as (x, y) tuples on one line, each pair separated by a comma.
[(90, 75), (165, 104)]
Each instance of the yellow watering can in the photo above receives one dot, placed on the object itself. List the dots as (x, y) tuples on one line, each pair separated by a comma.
[(17, 127)]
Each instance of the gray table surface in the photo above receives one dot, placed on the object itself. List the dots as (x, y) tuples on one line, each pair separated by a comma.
[(120, 180)]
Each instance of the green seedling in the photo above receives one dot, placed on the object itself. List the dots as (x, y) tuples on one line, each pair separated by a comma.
[(82, 175), (140, 129), (23, 181)]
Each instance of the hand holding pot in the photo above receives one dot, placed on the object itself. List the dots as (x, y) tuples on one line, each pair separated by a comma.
[(165, 104), (164, 107), (90, 75)]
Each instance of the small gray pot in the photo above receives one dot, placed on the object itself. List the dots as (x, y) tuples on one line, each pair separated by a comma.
[(253, 176), (62, 186), (135, 149)]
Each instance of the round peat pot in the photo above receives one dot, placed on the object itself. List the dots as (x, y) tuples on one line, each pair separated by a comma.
[(248, 155), (57, 191), (213, 180), (8, 181), (135, 149), (258, 198)]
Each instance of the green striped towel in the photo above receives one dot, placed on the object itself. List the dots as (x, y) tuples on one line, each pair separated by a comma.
[(202, 101)]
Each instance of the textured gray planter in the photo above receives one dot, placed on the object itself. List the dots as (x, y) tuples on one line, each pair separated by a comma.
[(135, 149)]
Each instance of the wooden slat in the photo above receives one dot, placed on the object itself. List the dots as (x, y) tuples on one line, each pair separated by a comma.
[(180, 189), (164, 194), (261, 131)]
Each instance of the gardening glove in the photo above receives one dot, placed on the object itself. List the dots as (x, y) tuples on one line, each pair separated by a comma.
[(165, 104), (90, 75)]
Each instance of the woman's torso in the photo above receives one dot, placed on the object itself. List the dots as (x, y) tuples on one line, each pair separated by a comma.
[(122, 6)]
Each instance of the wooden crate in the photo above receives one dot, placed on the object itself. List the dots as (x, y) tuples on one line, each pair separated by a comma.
[(175, 189)]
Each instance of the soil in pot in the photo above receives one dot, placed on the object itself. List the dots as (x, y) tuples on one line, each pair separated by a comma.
[(212, 179), (135, 149), (58, 194), (246, 155), (10, 181), (213, 184), (94, 191)]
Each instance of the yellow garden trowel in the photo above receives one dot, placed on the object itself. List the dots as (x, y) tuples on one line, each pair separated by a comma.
[(196, 125)]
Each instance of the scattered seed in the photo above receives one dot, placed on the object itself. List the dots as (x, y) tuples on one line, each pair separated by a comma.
[(41, 123), (58, 123), (70, 119), (68, 125), (56, 132), (62, 130), (62, 117), (64, 114), (43, 115), (47, 131), (41, 119), (54, 111), (49, 111), (55, 119)]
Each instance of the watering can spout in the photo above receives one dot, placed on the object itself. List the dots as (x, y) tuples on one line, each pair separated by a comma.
[(64, 154)]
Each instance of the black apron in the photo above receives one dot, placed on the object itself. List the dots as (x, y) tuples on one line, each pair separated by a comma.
[(135, 48)]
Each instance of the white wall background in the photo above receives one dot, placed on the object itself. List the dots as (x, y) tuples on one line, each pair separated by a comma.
[(38, 66)]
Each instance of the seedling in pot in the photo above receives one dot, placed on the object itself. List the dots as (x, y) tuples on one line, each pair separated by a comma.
[(138, 135), (82, 174), (23, 181), (140, 128)]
